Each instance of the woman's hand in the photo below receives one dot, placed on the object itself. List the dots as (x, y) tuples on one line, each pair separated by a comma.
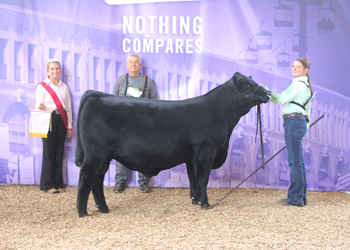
[(42, 106), (69, 133)]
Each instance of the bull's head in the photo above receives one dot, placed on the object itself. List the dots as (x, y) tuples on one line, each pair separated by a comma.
[(246, 86)]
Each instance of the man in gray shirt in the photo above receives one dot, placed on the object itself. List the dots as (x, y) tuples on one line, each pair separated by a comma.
[(133, 84)]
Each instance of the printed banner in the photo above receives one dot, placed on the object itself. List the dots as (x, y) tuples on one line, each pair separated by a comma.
[(40, 121), (187, 48)]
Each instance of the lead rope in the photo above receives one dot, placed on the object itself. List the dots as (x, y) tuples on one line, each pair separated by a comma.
[(258, 123), (263, 165)]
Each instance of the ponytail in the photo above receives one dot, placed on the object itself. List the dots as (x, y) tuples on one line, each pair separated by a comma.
[(309, 82), (306, 63)]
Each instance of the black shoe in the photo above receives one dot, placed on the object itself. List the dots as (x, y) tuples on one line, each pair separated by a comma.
[(285, 202), (305, 202), (119, 187), (144, 188)]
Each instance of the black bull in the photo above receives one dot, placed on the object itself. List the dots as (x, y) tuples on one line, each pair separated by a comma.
[(150, 136)]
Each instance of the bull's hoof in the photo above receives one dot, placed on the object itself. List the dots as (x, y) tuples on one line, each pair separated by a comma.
[(194, 201), (82, 214), (103, 210), (205, 206)]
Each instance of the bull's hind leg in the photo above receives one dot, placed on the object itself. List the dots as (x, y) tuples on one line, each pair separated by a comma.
[(84, 189), (193, 184), (89, 179), (97, 192)]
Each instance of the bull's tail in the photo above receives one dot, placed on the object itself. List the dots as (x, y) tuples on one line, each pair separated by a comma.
[(79, 151)]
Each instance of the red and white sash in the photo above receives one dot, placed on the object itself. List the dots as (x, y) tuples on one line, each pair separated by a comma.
[(57, 102)]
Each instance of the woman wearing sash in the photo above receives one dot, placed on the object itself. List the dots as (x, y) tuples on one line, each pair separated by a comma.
[(296, 113), (52, 94)]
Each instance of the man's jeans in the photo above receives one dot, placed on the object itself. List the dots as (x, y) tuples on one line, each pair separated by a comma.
[(294, 130)]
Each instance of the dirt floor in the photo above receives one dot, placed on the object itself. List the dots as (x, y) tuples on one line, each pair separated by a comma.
[(166, 219)]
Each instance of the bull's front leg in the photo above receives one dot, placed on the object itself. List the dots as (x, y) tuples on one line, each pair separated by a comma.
[(202, 166), (202, 181), (193, 184)]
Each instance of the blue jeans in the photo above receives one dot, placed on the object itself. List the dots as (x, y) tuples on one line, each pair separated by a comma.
[(294, 130)]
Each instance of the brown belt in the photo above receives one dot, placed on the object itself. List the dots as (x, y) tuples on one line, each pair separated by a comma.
[(291, 115), (57, 112)]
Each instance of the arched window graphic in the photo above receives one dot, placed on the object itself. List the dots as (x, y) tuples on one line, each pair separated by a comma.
[(310, 180), (107, 83), (64, 71), (144, 69), (154, 74), (237, 163), (284, 170), (338, 170), (210, 85), (118, 65), (307, 162), (31, 49), (179, 87), (188, 82), (202, 87), (3, 66), (77, 83), (170, 78), (323, 173), (261, 177), (96, 71), (178, 177), (18, 68), (6, 174), (17, 116), (52, 53)]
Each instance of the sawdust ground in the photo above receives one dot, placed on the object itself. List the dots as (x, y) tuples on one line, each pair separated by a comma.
[(166, 219)]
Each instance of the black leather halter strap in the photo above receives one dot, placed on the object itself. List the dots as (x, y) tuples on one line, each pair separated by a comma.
[(251, 95), (258, 123)]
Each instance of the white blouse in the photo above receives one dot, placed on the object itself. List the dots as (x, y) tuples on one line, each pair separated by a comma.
[(62, 91)]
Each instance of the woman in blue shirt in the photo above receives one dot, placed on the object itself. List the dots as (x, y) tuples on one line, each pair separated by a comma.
[(296, 113)]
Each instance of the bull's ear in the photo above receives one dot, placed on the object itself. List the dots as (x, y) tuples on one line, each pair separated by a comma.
[(232, 82), (236, 74), (236, 78)]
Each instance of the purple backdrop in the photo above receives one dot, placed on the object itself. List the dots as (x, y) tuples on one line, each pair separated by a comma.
[(188, 48)]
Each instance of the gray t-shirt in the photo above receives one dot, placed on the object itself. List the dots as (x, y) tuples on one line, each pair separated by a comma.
[(136, 87)]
